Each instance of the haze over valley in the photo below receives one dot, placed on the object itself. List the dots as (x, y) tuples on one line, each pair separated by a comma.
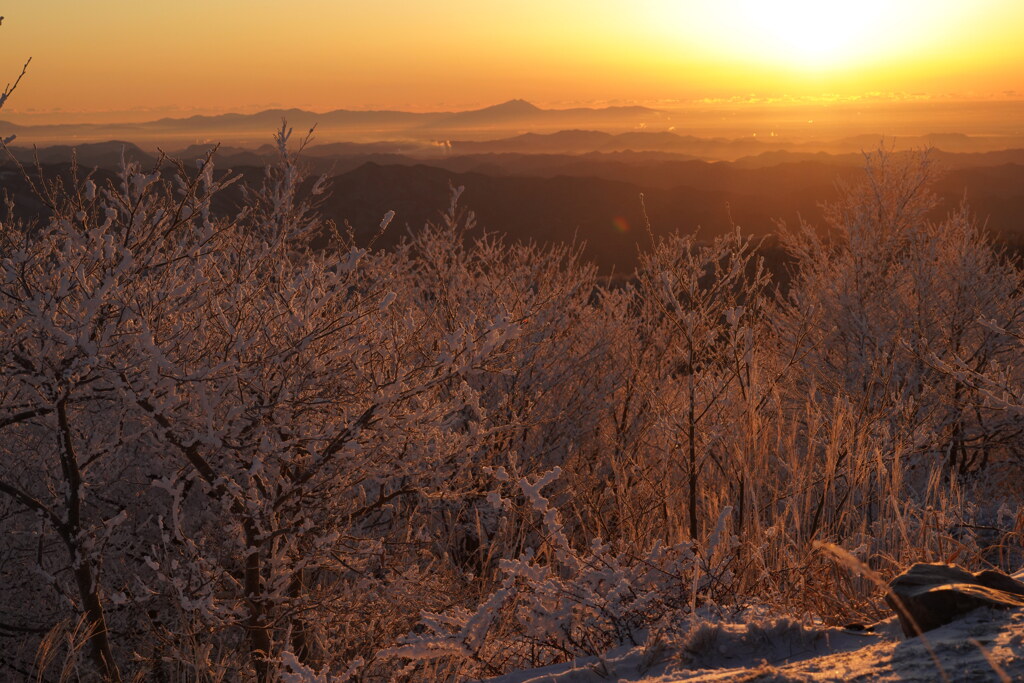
[(577, 175)]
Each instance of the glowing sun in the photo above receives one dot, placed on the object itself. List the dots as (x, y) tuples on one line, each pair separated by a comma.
[(813, 33)]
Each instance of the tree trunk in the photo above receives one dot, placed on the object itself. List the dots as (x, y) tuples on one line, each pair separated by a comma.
[(301, 645), (256, 626), (99, 642), (692, 436), (88, 588)]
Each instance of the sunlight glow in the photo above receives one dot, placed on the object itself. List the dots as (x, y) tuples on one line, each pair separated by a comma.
[(811, 32), (458, 54)]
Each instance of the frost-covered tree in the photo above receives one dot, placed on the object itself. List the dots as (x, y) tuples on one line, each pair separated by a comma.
[(251, 446), (200, 381), (70, 339), (703, 305), (886, 296)]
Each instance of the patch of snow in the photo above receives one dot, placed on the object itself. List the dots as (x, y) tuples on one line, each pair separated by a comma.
[(984, 645)]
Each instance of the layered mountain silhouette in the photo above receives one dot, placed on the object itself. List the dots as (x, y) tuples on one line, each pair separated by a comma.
[(509, 116), (592, 198)]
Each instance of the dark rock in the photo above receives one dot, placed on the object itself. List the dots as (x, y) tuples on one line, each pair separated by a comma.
[(930, 595)]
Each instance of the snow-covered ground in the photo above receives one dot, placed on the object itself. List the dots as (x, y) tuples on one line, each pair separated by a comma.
[(985, 645)]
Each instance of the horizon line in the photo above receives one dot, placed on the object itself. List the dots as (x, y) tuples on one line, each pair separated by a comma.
[(11, 115)]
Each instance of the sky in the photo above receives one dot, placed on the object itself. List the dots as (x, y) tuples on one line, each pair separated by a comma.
[(143, 59)]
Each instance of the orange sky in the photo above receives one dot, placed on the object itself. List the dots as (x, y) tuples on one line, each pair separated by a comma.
[(144, 59)]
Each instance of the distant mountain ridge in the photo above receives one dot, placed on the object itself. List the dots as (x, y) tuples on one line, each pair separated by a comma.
[(509, 116), (626, 156)]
